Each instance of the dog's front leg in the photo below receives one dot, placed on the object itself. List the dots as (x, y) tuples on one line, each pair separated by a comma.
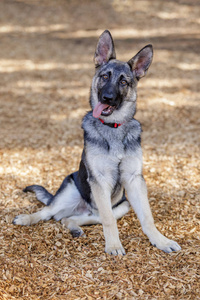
[(102, 197), (137, 195)]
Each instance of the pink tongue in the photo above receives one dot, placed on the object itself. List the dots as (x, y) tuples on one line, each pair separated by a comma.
[(98, 109)]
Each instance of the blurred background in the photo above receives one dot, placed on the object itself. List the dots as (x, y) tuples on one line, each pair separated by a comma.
[(46, 68)]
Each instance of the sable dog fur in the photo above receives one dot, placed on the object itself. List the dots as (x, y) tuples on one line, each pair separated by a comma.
[(111, 161)]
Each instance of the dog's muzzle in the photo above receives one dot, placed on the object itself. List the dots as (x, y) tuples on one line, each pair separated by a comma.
[(103, 109)]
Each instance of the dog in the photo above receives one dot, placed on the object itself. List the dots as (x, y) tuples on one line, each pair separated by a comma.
[(111, 162)]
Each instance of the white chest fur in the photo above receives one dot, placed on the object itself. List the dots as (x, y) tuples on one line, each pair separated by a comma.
[(113, 166)]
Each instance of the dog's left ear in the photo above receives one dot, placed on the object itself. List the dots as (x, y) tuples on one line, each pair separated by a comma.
[(105, 49), (141, 62)]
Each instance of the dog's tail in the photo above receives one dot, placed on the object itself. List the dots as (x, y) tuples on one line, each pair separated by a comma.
[(41, 193)]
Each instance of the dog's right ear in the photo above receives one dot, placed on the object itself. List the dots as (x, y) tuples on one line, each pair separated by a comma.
[(141, 62), (105, 49)]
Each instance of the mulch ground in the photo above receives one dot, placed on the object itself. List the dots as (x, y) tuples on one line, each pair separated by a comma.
[(46, 69)]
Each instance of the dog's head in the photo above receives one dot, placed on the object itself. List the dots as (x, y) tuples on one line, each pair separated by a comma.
[(114, 87)]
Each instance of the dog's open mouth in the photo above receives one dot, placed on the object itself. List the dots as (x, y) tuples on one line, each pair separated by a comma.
[(103, 109)]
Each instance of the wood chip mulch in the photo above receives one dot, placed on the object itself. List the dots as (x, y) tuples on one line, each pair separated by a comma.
[(45, 74)]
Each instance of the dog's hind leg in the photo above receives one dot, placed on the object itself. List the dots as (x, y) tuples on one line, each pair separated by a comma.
[(67, 200), (73, 223), (26, 219), (120, 210)]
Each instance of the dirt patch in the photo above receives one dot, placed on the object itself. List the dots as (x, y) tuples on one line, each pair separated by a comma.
[(46, 69)]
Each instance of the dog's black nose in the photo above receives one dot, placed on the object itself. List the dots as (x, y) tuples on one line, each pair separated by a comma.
[(107, 98)]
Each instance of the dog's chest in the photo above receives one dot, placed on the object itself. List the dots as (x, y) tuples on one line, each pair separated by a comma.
[(107, 149), (105, 161)]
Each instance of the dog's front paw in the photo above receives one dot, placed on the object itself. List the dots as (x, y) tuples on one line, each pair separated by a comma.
[(115, 250), (23, 219), (166, 244)]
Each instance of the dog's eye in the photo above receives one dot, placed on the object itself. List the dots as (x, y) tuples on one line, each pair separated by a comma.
[(105, 77), (123, 82)]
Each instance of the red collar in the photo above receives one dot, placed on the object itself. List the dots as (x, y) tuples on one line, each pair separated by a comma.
[(113, 125)]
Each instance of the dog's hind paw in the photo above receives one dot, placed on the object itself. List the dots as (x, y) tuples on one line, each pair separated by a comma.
[(74, 229), (77, 232), (23, 219)]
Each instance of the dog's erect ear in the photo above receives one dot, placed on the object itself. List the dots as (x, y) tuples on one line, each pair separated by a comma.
[(141, 61), (105, 49)]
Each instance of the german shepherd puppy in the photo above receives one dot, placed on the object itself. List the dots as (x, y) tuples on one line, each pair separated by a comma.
[(111, 160)]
